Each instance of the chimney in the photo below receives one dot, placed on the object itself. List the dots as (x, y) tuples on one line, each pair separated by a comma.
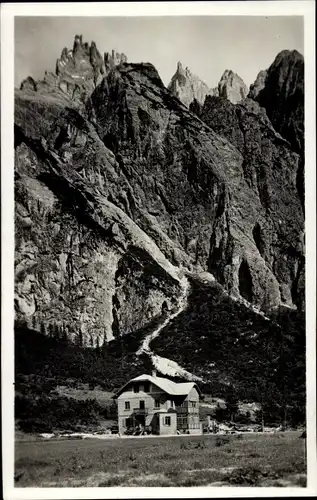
[(153, 373)]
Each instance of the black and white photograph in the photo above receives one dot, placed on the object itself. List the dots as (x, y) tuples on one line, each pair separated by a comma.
[(161, 190)]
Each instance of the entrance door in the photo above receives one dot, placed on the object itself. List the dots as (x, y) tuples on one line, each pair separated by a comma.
[(140, 420), (129, 423)]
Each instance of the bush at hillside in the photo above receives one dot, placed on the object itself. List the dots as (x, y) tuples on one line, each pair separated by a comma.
[(51, 413)]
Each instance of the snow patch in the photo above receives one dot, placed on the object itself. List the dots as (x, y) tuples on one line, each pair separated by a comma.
[(168, 367)]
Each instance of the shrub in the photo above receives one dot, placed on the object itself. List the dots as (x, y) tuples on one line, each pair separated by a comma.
[(248, 476), (56, 412), (34, 425), (301, 481), (112, 481), (221, 441)]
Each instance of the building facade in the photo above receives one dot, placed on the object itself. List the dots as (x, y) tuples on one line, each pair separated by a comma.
[(159, 406)]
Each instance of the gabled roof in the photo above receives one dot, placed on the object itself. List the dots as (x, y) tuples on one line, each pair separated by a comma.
[(168, 386)]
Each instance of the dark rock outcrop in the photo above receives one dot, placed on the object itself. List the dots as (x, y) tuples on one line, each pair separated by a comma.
[(195, 107), (281, 93), (258, 85)]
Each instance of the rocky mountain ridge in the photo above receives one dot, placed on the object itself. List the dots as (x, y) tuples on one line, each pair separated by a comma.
[(120, 193), (78, 71)]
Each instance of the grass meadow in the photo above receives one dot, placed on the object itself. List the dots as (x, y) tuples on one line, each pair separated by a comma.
[(209, 460)]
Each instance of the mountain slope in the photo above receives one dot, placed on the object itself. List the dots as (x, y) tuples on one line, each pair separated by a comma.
[(122, 195), (185, 187), (202, 196), (233, 348)]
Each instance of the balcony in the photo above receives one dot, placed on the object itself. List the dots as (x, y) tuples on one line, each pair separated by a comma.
[(140, 411)]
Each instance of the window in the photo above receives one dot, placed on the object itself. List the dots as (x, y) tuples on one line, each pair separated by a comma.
[(136, 388), (167, 421), (157, 403), (127, 405), (142, 405), (146, 387)]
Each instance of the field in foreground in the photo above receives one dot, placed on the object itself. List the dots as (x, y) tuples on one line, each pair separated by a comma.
[(237, 460)]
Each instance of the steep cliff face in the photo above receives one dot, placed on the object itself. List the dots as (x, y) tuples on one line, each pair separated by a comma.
[(282, 96), (188, 87), (72, 248), (281, 93), (120, 193), (270, 169)]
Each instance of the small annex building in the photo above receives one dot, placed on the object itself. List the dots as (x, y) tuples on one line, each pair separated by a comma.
[(159, 406)]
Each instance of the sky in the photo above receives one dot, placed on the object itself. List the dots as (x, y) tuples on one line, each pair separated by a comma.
[(208, 45)]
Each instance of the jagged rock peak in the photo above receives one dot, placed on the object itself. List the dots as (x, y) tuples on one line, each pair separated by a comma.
[(232, 87), (186, 86), (85, 61), (83, 66), (77, 72), (84, 50), (180, 68)]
